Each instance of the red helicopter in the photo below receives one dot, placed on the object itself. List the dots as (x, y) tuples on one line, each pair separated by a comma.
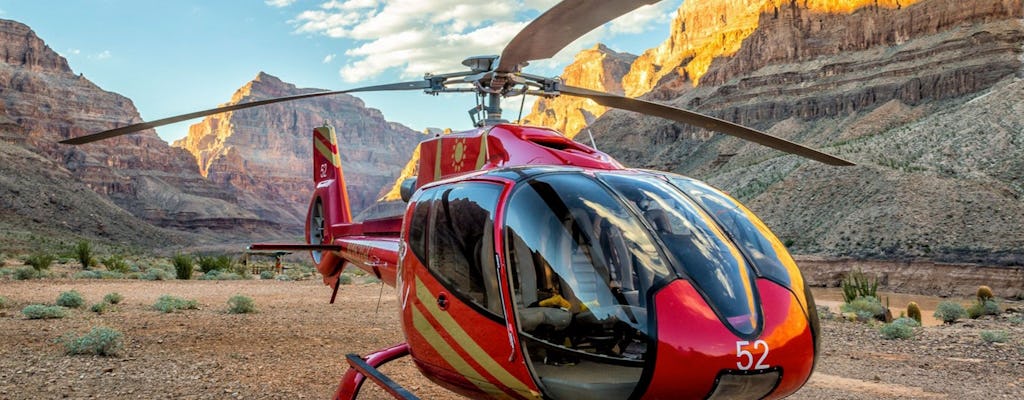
[(528, 265)]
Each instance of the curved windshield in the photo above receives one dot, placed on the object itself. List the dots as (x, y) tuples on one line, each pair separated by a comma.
[(582, 265), (745, 229), (697, 245)]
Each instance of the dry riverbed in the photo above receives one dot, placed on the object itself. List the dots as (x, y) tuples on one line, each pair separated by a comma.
[(293, 347)]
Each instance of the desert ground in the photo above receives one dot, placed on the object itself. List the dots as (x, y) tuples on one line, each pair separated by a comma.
[(293, 347)]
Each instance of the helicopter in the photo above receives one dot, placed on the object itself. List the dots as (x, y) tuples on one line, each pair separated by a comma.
[(528, 265)]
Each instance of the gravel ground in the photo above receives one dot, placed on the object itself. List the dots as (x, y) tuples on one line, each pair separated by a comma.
[(293, 347)]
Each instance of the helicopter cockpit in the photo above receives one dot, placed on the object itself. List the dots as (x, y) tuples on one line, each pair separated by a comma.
[(588, 251)]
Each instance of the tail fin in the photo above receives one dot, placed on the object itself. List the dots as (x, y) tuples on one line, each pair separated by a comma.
[(327, 172)]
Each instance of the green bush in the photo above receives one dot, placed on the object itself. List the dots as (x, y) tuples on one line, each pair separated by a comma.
[(156, 274), (214, 263), (902, 328), (284, 277), (239, 304), (866, 308), (345, 279), (100, 307), (42, 311), (948, 312), (182, 266), (168, 303), (989, 307), (87, 275), (101, 341), (26, 273), (115, 263), (83, 252), (994, 336), (70, 299), (113, 298), (4, 303), (857, 284), (267, 275), (39, 261)]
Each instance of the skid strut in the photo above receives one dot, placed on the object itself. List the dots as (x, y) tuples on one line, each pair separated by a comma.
[(361, 368)]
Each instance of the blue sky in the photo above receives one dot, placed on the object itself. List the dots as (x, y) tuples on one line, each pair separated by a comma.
[(173, 57)]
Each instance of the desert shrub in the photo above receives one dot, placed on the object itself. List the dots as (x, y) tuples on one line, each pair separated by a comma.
[(26, 273), (39, 261), (229, 276), (985, 294), (345, 279), (284, 277), (949, 312), (70, 299), (42, 311), (989, 307), (239, 304), (110, 275), (168, 303), (115, 263), (994, 336), (825, 313), (100, 307), (267, 275), (902, 328), (156, 274), (87, 275), (866, 308), (214, 263), (1017, 320), (210, 276), (371, 279), (182, 266), (4, 303), (83, 252), (857, 284), (113, 298), (914, 311), (101, 341)]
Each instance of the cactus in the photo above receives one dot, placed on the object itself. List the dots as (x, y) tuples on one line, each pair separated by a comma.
[(914, 311), (857, 284), (984, 294)]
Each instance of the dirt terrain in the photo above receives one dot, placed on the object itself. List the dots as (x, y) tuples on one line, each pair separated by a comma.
[(293, 347)]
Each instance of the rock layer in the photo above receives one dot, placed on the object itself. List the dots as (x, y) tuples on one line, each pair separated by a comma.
[(598, 68), (264, 154), (42, 101), (923, 96)]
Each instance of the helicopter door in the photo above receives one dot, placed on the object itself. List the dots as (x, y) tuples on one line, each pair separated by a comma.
[(460, 334), (581, 268)]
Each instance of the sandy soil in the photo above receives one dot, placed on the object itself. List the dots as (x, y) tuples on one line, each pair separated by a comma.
[(293, 347)]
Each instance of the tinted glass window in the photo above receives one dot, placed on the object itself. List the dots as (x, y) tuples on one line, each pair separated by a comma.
[(752, 236), (418, 226), (702, 250), (460, 241)]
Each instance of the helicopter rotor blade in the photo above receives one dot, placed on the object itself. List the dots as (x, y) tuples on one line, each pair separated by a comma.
[(703, 121), (561, 25), (124, 130)]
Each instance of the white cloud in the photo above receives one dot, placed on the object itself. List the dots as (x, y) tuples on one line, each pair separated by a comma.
[(279, 3), (645, 18), (329, 58), (418, 36), (103, 55), (74, 51)]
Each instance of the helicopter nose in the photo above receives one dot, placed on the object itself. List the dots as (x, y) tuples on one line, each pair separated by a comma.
[(699, 356)]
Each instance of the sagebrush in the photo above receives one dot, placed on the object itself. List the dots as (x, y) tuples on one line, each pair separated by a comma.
[(113, 298), (168, 303), (42, 311), (949, 312), (101, 341), (70, 299), (239, 304)]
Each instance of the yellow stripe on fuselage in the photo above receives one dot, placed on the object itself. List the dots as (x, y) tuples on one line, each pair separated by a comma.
[(450, 355), (468, 345)]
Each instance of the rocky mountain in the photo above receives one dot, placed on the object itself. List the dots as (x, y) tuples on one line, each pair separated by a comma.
[(598, 68), (263, 155), (923, 95), (43, 101)]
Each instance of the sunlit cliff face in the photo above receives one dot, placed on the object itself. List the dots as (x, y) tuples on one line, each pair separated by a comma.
[(705, 30)]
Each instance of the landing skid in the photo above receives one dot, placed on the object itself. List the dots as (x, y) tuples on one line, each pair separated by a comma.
[(362, 368)]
